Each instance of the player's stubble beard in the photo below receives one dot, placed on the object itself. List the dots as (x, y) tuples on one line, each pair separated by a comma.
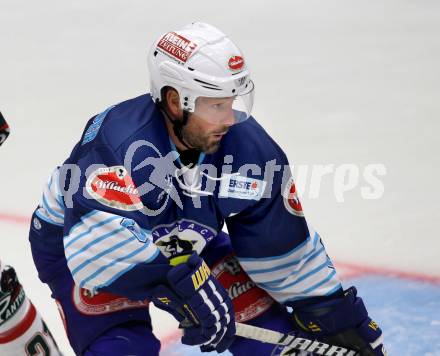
[(196, 137)]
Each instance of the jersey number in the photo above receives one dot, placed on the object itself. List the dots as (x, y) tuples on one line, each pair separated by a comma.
[(37, 345)]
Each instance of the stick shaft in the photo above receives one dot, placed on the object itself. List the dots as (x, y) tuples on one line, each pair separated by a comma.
[(296, 343)]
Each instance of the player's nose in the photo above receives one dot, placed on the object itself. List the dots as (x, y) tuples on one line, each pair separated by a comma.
[(229, 120)]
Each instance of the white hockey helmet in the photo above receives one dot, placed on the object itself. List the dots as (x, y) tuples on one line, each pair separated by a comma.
[(201, 61)]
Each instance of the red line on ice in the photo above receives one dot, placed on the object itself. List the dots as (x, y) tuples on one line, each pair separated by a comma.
[(170, 339), (346, 269), (14, 218), (355, 270)]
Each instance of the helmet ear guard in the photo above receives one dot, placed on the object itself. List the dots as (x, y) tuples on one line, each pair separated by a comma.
[(176, 123)]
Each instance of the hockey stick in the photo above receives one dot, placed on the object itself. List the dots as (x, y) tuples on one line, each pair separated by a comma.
[(295, 343)]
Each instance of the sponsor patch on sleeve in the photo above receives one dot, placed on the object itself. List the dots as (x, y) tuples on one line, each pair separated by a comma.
[(233, 186), (291, 200), (113, 187), (101, 303), (248, 299)]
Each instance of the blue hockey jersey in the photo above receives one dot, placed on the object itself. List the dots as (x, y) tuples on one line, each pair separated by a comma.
[(126, 205)]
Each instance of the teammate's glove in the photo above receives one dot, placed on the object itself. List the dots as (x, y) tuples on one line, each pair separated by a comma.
[(342, 321), (4, 129), (8, 281), (201, 305)]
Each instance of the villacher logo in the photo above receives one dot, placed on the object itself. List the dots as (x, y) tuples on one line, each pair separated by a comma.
[(114, 187)]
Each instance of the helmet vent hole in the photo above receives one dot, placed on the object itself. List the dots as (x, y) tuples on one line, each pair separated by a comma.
[(204, 86), (206, 83), (155, 53)]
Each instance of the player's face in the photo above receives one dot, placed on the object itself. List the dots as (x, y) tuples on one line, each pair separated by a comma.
[(210, 121)]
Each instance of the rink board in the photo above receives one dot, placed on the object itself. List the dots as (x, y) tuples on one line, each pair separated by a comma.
[(407, 309)]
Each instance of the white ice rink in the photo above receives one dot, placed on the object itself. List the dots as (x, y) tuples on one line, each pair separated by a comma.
[(337, 82)]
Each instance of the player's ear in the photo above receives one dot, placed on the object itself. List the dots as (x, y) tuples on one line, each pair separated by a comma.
[(173, 102)]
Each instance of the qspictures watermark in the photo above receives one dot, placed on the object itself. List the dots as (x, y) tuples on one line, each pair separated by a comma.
[(165, 178), (364, 180)]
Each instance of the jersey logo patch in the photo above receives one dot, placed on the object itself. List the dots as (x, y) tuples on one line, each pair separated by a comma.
[(113, 187), (176, 46), (182, 237), (248, 299), (291, 200), (242, 188), (102, 302)]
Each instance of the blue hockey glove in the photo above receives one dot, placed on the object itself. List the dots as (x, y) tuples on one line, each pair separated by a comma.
[(201, 305), (343, 321)]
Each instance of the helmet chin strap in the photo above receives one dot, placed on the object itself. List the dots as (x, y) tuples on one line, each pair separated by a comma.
[(178, 125)]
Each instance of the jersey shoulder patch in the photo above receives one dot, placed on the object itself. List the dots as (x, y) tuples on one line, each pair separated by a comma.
[(93, 129)]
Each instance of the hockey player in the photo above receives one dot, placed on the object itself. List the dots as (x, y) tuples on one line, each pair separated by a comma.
[(136, 213), (22, 330)]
